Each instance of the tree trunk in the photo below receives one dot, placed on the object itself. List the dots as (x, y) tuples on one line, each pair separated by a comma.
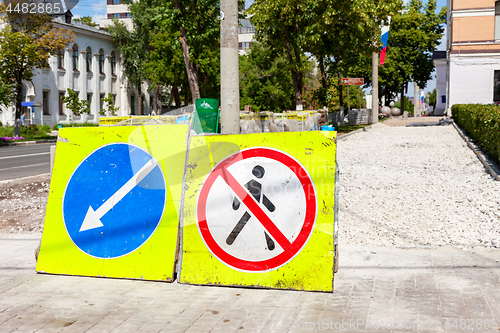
[(191, 68), (19, 99), (177, 98), (140, 108), (159, 99), (403, 97), (324, 81), (296, 76)]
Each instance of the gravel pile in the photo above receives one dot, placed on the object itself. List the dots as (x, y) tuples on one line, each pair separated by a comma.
[(415, 187), (22, 204)]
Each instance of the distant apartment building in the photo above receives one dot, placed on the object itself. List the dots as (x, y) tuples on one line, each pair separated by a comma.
[(473, 52), (117, 9)]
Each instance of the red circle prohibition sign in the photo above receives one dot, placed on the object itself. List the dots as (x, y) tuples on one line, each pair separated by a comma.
[(290, 249)]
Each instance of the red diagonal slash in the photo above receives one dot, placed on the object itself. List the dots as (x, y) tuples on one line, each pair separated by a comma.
[(254, 207)]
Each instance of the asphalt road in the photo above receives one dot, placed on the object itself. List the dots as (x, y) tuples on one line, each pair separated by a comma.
[(24, 161)]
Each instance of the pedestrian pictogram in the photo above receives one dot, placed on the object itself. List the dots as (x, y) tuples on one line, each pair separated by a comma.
[(256, 209), (255, 189), (114, 200)]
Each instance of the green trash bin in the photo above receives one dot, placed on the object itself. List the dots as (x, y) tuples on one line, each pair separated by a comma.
[(206, 115)]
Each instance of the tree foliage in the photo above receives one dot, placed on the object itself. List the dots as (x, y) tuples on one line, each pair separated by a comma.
[(86, 20), (265, 80), (7, 96), (337, 34), (109, 106), (414, 35), (74, 104), (26, 42), (196, 26), (132, 46)]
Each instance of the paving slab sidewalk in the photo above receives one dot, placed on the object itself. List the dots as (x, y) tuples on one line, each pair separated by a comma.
[(376, 290)]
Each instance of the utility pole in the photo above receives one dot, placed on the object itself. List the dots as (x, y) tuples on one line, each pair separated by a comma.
[(229, 68), (374, 87)]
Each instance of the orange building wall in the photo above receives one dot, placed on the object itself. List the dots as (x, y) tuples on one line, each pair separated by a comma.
[(472, 4), (478, 28)]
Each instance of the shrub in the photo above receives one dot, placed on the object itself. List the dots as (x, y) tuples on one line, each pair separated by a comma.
[(482, 123)]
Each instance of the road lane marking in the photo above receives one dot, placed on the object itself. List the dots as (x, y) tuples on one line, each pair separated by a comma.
[(6, 157), (25, 166)]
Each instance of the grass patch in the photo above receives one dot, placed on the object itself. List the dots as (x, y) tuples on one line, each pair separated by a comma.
[(344, 129), (28, 133)]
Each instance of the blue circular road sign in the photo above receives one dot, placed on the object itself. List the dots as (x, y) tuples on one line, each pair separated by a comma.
[(114, 200)]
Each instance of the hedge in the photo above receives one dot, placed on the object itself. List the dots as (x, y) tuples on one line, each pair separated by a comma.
[(482, 123)]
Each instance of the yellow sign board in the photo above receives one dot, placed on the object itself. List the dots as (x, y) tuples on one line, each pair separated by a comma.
[(114, 202), (259, 211)]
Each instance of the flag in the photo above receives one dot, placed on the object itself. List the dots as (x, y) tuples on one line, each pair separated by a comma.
[(385, 41)]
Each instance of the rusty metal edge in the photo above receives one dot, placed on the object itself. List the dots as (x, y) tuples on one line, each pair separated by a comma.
[(489, 165)]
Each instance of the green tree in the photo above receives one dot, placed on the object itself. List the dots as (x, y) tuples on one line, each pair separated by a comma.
[(197, 27), (86, 20), (74, 104), (337, 34), (133, 47), (280, 25), (432, 98), (414, 35), (26, 42), (109, 106), (265, 80), (6, 95)]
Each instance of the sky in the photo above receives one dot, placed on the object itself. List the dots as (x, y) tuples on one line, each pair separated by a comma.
[(97, 10)]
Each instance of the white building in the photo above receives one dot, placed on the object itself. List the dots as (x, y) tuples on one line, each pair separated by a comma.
[(473, 52), (439, 58), (90, 66)]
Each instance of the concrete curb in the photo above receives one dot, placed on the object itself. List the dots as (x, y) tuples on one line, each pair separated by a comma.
[(491, 166), (23, 143), (364, 129)]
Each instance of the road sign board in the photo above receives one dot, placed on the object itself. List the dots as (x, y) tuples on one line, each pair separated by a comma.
[(258, 230), (353, 81), (259, 211), (114, 200)]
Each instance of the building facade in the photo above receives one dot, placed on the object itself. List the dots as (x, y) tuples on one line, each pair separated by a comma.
[(91, 67), (473, 52), (117, 9), (439, 59)]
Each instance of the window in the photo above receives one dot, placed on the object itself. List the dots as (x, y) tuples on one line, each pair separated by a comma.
[(496, 87), (244, 45), (101, 61), (101, 102), (129, 15), (89, 100), (116, 15), (112, 60), (116, 2), (61, 103), (88, 60), (75, 57), (246, 27), (60, 59), (46, 103), (497, 20)]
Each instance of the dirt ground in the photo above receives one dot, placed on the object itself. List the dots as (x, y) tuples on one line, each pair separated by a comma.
[(22, 204)]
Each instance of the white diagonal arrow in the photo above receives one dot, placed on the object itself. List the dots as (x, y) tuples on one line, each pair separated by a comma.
[(93, 218)]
